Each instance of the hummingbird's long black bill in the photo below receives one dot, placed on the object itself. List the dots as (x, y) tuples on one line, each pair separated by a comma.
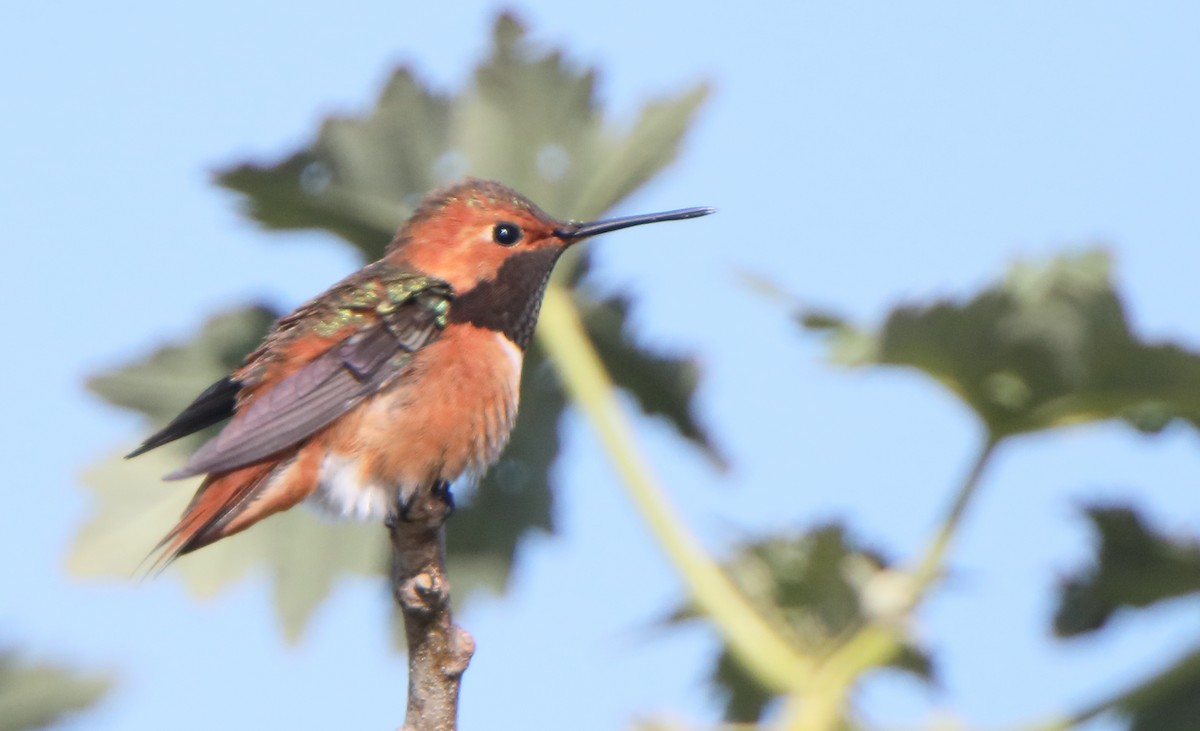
[(583, 230)]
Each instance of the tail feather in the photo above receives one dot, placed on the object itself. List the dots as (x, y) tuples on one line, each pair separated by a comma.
[(230, 502), (219, 500)]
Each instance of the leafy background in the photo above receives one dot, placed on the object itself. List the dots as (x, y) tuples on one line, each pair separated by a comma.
[(859, 159)]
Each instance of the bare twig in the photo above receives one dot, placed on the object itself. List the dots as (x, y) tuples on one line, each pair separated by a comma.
[(438, 650)]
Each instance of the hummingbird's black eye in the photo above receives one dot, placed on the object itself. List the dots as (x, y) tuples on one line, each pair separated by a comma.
[(506, 234)]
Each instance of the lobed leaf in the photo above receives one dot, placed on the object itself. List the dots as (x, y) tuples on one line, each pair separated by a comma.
[(39, 695), (662, 385), (1134, 567), (1048, 346), (163, 383), (820, 587), (1170, 702)]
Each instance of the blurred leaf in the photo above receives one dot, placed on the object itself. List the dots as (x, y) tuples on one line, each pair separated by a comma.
[(1134, 567), (1170, 702), (514, 496), (662, 385), (1048, 346), (166, 381), (361, 177), (36, 696), (532, 121), (819, 586), (527, 118)]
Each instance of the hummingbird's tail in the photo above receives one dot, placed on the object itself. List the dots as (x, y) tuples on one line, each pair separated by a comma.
[(230, 502)]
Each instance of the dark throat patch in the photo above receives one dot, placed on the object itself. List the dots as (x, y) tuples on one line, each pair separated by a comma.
[(509, 304)]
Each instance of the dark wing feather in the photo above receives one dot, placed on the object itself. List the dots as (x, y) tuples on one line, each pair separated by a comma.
[(312, 397), (215, 404)]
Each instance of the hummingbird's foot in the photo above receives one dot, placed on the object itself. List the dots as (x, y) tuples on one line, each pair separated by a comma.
[(402, 511), (409, 505), (441, 490)]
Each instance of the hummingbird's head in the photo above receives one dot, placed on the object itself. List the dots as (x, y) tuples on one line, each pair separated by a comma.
[(466, 233), (463, 234)]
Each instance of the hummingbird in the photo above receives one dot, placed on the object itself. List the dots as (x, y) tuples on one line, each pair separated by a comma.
[(402, 377)]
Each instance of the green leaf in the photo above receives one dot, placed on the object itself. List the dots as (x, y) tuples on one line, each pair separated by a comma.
[(1168, 701), (1134, 567), (1171, 702), (361, 177), (528, 118), (1048, 346), (820, 587), (514, 496), (38, 695), (662, 385), (532, 121), (166, 381)]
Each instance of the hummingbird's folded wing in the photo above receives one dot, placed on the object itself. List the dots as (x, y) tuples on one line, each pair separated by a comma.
[(317, 394)]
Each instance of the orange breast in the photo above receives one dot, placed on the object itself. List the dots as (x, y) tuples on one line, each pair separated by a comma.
[(447, 414)]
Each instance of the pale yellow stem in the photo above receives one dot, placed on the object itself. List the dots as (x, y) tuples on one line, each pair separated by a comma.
[(750, 638), (818, 705)]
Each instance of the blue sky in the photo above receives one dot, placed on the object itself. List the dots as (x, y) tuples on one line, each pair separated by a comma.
[(859, 153)]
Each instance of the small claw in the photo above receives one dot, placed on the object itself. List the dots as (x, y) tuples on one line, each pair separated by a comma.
[(401, 511), (407, 501), (441, 490)]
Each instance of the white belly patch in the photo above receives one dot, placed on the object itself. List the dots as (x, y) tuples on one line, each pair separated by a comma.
[(342, 491)]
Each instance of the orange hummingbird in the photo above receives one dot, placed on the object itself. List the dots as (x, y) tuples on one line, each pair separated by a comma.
[(401, 377)]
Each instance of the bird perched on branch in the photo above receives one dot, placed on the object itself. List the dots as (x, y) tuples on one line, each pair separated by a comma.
[(401, 377)]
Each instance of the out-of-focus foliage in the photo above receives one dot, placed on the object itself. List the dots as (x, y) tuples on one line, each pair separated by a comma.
[(527, 118), (1170, 701), (159, 385), (36, 695), (660, 384), (1134, 567), (1048, 346), (818, 587)]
